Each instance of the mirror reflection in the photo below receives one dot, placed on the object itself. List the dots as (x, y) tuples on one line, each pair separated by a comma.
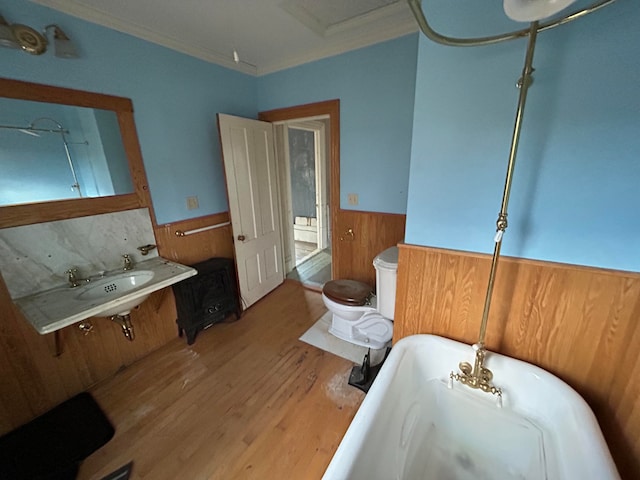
[(56, 152)]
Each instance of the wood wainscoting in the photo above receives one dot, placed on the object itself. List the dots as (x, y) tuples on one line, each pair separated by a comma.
[(33, 381), (579, 323), (372, 233), (196, 247)]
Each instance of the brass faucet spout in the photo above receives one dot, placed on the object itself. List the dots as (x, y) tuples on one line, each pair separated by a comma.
[(477, 376), (74, 281), (145, 249), (128, 263)]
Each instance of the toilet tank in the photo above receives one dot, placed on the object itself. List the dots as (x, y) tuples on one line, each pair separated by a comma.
[(386, 265)]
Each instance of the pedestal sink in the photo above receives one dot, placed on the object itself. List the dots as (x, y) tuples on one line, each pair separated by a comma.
[(115, 286)]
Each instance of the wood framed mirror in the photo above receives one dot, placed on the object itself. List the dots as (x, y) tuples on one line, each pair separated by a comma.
[(29, 213)]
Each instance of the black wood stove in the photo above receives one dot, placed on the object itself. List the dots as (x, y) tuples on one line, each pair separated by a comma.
[(207, 298)]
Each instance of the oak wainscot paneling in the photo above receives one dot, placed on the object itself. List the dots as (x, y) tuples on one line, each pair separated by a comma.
[(34, 381), (373, 232), (579, 323)]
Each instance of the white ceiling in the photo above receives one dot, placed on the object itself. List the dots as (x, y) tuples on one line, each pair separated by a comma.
[(269, 35)]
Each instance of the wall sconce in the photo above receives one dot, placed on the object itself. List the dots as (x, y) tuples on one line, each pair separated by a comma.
[(34, 42), (7, 38), (64, 48)]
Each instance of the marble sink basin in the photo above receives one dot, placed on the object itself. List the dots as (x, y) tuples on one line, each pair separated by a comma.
[(113, 294), (115, 286)]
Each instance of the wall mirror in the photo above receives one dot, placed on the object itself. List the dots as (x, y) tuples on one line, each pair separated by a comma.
[(66, 153), (57, 152)]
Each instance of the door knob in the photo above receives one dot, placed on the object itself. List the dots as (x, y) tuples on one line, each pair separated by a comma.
[(242, 238)]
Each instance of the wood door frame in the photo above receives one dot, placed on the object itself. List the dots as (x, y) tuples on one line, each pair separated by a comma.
[(330, 108)]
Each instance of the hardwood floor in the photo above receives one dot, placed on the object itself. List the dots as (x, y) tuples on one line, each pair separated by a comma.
[(246, 400)]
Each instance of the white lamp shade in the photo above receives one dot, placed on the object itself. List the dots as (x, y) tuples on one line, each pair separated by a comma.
[(532, 10)]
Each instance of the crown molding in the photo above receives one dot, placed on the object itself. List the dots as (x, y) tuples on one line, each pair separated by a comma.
[(372, 36), (379, 36), (302, 15), (379, 15), (99, 17)]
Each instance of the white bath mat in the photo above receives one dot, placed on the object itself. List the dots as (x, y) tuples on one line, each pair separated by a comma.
[(318, 336)]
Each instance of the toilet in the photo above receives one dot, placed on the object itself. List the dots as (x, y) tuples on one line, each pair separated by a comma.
[(359, 316)]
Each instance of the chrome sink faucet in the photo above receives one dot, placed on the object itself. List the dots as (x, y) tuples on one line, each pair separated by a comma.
[(74, 281), (128, 263)]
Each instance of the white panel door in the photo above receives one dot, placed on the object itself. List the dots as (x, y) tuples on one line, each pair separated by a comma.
[(250, 169)]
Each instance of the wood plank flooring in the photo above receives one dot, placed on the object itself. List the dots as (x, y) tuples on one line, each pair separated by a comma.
[(246, 400)]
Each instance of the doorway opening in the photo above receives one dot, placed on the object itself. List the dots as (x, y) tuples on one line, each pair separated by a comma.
[(301, 149), (327, 111)]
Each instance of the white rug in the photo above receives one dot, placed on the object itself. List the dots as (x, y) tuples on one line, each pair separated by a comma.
[(318, 336)]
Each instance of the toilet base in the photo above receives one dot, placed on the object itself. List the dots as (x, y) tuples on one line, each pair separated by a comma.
[(371, 330)]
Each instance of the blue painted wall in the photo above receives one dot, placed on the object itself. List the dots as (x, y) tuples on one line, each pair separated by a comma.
[(375, 86), (450, 116), (175, 97), (576, 191)]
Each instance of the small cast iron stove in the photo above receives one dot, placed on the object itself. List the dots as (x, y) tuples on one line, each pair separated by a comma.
[(207, 298)]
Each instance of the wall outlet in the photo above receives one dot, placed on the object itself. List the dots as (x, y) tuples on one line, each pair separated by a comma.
[(352, 198), (192, 203)]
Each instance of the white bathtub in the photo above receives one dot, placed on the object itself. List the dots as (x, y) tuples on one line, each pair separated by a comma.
[(412, 426)]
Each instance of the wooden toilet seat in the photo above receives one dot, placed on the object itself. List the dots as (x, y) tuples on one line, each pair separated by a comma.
[(347, 292)]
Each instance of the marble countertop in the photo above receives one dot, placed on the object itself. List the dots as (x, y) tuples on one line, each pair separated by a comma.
[(62, 306)]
